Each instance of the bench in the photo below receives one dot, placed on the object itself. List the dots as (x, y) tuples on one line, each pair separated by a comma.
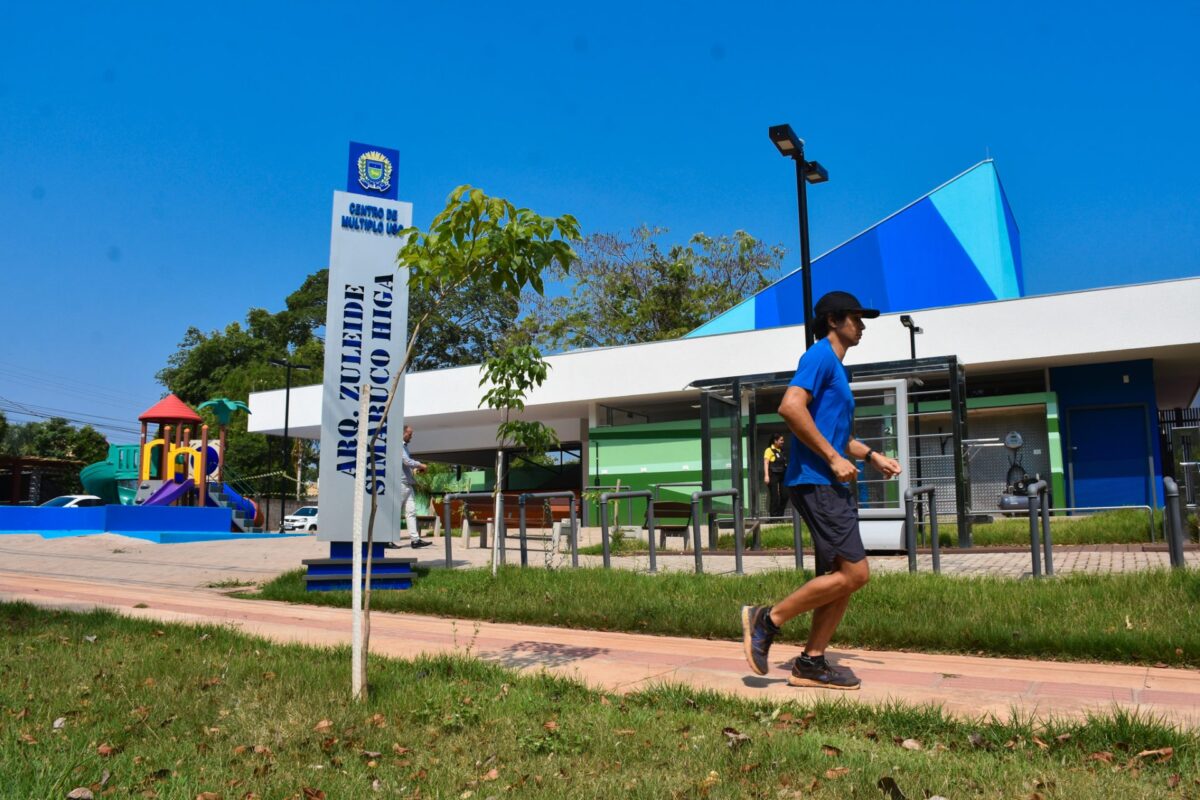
[(478, 512), (671, 518)]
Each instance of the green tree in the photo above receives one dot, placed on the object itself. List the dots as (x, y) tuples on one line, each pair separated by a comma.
[(627, 290), (3, 432), (89, 445), (487, 242)]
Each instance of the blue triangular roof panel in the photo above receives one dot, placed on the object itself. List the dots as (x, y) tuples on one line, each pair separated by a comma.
[(958, 244)]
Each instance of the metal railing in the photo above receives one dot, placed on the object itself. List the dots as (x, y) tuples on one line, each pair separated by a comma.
[(574, 527), (739, 528), (608, 497), (448, 498), (910, 525)]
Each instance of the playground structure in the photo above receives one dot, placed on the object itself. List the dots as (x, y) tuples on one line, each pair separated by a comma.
[(174, 469)]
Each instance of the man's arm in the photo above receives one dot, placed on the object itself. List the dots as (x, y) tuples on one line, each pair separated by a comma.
[(890, 467), (794, 410), (410, 462)]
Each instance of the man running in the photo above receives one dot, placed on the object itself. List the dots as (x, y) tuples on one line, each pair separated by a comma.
[(818, 407)]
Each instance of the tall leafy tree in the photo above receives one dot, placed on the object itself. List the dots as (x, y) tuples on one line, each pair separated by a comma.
[(623, 290)]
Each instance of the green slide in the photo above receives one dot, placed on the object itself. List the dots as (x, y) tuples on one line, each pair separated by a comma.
[(114, 480)]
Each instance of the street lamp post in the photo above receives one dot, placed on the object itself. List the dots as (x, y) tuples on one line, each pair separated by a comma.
[(792, 146), (287, 364), (913, 330)]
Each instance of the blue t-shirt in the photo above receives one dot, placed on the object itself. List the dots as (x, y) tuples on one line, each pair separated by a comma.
[(821, 373)]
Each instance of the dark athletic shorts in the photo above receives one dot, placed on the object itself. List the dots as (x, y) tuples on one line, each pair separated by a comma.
[(831, 514)]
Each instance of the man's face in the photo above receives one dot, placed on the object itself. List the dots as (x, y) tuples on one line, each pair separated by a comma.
[(407, 434), (850, 330)]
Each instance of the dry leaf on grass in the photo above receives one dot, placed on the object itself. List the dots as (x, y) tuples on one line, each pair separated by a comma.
[(836, 772), (1103, 755), (323, 726), (377, 721), (313, 794), (550, 725), (105, 749), (1164, 754), (80, 793), (911, 744), (208, 796), (492, 774), (734, 737), (830, 750)]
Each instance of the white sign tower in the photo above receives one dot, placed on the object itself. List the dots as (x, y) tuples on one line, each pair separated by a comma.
[(366, 328)]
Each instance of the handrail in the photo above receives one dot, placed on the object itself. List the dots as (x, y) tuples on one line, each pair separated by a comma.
[(574, 527), (608, 497), (910, 526), (739, 528)]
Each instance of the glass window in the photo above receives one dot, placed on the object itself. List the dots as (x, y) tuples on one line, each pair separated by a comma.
[(57, 502)]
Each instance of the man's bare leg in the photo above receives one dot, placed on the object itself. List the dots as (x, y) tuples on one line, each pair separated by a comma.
[(826, 618), (823, 590)]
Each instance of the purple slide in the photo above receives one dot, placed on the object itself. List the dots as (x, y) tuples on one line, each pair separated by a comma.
[(169, 492)]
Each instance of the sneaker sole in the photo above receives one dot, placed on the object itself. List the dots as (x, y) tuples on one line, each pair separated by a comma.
[(747, 636), (807, 683)]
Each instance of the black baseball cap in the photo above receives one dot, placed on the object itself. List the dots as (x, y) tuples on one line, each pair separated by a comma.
[(842, 303)]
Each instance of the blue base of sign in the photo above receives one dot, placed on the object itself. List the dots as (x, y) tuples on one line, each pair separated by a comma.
[(334, 573)]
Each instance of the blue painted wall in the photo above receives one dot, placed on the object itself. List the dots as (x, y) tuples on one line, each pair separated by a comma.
[(114, 519), (1105, 441)]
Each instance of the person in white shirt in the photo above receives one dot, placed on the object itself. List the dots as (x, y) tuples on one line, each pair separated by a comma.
[(407, 485)]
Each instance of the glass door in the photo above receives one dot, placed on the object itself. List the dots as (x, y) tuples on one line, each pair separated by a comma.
[(721, 453)]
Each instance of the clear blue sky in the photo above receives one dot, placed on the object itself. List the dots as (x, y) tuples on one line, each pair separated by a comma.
[(164, 166)]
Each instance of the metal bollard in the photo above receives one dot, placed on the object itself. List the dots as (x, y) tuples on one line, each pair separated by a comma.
[(696, 530), (910, 531), (524, 543), (1034, 493), (1046, 533), (797, 539), (935, 544), (650, 534), (1173, 522)]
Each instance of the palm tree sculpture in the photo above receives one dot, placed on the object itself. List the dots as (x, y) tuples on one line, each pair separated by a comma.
[(223, 409)]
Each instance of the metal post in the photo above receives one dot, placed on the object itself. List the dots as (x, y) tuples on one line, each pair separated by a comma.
[(574, 534), (1173, 515), (287, 407), (446, 528), (933, 532), (1034, 493), (910, 531), (524, 549), (696, 530), (1046, 532), (805, 263), (501, 531), (604, 530), (797, 539), (650, 533), (739, 532), (958, 426)]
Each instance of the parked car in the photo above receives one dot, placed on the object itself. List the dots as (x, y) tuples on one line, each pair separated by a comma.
[(302, 519), (74, 501)]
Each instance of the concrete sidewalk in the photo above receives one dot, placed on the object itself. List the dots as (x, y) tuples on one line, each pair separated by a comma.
[(620, 662)]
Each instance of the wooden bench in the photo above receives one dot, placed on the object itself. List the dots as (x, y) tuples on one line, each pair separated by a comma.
[(480, 511)]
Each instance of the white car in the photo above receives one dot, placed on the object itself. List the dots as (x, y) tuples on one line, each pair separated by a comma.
[(74, 501), (302, 519)]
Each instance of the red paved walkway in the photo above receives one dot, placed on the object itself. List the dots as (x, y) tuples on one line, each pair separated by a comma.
[(622, 662)]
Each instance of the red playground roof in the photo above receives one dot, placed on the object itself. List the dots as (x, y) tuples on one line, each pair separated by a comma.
[(169, 409)]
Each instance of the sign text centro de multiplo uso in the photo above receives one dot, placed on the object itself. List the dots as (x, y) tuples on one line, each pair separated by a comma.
[(373, 219), (357, 338)]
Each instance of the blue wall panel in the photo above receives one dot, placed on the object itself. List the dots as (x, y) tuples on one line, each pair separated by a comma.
[(856, 267), (114, 519), (1105, 441)]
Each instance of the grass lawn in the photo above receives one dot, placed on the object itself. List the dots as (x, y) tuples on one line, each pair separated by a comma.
[(1108, 527), (135, 709), (1144, 617)]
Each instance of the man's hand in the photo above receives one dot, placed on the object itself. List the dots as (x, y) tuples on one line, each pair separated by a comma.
[(420, 468), (843, 470), (890, 467)]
